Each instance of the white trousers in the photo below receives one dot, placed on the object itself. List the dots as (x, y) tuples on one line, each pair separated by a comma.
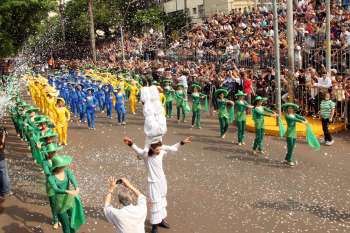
[(157, 194)]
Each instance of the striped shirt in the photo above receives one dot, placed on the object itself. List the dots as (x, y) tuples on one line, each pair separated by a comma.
[(326, 108)]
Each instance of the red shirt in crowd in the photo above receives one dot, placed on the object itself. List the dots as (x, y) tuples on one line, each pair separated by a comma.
[(247, 86)]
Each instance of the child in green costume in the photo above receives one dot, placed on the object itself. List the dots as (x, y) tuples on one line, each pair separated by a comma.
[(241, 116), (196, 106), (291, 134), (68, 205), (49, 152), (180, 102), (169, 97), (259, 113), (222, 110)]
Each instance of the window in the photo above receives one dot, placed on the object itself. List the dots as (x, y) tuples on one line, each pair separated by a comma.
[(194, 11), (201, 10)]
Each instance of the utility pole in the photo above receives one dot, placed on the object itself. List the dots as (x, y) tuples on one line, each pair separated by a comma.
[(277, 55), (290, 39), (328, 37), (63, 30), (92, 30), (185, 9), (122, 42)]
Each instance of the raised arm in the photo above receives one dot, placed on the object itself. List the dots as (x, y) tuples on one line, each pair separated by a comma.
[(175, 148), (71, 178), (140, 152)]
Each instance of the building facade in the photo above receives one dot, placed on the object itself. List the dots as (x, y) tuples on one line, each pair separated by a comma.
[(199, 9)]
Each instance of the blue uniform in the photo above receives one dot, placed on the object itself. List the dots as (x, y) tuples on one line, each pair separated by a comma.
[(91, 103), (120, 106), (108, 94)]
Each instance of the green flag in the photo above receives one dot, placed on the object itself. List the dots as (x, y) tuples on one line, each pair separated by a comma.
[(311, 138), (232, 114), (206, 105), (281, 127)]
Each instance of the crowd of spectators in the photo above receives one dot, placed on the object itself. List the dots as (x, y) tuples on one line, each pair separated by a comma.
[(236, 51)]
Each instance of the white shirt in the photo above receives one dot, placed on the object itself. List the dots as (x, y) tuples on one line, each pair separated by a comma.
[(129, 219), (183, 80), (324, 82), (154, 164)]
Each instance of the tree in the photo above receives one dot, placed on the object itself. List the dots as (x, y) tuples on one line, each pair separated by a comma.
[(152, 17), (19, 20)]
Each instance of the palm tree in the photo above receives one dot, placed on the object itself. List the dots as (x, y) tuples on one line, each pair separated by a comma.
[(92, 30)]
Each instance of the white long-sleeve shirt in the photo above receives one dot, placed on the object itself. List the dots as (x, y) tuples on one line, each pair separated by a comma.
[(129, 219), (154, 164)]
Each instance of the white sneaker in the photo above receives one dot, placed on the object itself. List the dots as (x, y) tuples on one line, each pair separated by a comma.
[(322, 140), (330, 143)]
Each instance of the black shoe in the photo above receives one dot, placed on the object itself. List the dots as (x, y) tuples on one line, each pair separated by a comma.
[(164, 224), (154, 229)]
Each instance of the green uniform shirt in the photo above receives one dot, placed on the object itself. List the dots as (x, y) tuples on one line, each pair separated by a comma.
[(168, 91), (291, 123), (241, 110), (326, 108), (180, 97), (258, 116), (222, 107)]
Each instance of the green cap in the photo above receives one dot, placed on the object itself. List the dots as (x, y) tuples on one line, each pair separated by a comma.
[(61, 161), (240, 93), (32, 109), (221, 90), (167, 81), (179, 85), (196, 85), (259, 98), (290, 105), (52, 147), (155, 83), (49, 134)]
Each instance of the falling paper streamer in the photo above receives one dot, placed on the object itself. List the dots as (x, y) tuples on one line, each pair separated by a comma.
[(282, 130), (311, 138)]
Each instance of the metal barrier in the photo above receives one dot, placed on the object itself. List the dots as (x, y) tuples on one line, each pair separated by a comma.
[(309, 99)]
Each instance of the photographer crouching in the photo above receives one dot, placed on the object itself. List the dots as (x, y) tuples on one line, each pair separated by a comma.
[(4, 178), (129, 218)]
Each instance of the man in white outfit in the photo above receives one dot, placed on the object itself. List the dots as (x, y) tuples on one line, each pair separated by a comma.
[(157, 184), (130, 218)]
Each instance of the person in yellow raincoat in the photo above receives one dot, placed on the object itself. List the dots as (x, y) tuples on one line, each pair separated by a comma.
[(134, 91), (61, 121)]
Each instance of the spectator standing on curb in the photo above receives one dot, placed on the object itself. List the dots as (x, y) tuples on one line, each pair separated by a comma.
[(4, 178), (327, 110)]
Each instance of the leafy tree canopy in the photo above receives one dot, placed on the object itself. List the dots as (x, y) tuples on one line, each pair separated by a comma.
[(19, 19)]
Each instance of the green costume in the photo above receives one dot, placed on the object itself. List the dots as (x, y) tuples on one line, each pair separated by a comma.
[(180, 104), (258, 116), (169, 98), (222, 108), (196, 109), (291, 133), (69, 208), (241, 117), (47, 165)]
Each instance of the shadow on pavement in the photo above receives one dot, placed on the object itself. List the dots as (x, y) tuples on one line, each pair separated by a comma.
[(328, 213)]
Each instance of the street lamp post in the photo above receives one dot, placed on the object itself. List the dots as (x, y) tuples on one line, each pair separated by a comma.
[(290, 39), (328, 37), (277, 55)]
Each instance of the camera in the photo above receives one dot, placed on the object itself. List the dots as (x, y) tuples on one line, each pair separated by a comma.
[(3, 131), (119, 181)]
